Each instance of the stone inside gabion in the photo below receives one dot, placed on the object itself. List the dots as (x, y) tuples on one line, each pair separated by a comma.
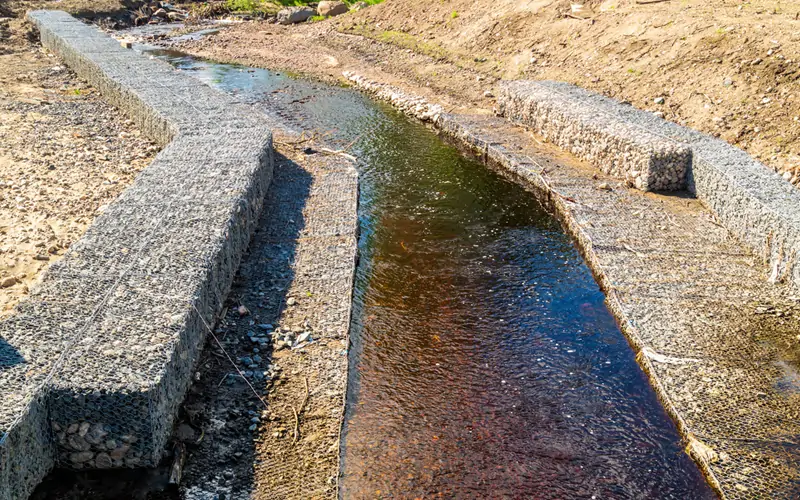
[(94, 365)]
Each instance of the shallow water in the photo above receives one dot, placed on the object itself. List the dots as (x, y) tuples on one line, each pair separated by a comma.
[(484, 361)]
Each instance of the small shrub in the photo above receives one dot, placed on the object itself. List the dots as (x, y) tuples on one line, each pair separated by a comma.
[(242, 5)]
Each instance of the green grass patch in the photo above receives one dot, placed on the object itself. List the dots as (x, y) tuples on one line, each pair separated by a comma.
[(268, 7), (243, 5), (297, 3), (409, 41)]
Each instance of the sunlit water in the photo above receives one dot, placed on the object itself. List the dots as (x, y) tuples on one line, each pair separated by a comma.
[(484, 362)]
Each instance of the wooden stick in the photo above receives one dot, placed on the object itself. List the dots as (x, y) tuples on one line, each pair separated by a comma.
[(176, 471), (298, 412)]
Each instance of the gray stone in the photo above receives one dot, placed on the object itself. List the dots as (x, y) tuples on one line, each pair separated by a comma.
[(294, 15), (120, 452), (83, 428), (96, 434), (330, 9), (185, 433), (81, 457), (77, 442)]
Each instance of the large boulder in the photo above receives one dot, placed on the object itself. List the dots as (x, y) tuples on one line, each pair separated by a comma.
[(329, 9), (294, 15)]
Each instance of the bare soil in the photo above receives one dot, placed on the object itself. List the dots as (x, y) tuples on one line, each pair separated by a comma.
[(728, 68), (64, 155)]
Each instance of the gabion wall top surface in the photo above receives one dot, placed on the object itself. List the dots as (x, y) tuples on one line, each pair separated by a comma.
[(94, 364)]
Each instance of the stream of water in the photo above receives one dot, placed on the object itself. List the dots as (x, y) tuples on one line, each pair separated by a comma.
[(484, 361)]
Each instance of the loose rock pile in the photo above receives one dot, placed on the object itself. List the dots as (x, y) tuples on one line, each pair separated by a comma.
[(412, 105), (158, 12), (294, 15)]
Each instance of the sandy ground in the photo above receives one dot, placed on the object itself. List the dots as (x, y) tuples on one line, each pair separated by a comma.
[(64, 155), (724, 67)]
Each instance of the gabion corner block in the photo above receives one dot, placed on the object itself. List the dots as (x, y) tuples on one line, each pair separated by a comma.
[(749, 199), (94, 364), (616, 146)]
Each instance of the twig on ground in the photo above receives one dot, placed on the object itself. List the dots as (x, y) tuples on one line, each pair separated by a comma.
[(298, 412), (338, 152), (543, 176), (296, 430), (350, 144)]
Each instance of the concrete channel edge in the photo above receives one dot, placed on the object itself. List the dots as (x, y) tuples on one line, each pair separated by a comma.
[(94, 364)]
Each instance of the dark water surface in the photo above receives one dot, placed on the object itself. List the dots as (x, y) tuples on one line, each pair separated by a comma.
[(484, 362)]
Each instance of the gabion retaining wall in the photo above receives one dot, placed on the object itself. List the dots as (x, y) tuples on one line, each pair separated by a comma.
[(95, 363), (752, 201), (617, 146)]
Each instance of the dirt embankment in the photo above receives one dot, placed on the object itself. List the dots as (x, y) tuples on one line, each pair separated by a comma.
[(64, 155), (729, 68)]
